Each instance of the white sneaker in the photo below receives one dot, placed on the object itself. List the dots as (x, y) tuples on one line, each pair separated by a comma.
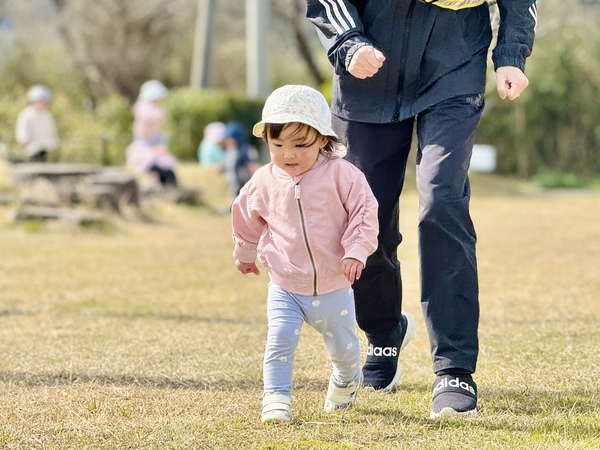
[(342, 396), (276, 408)]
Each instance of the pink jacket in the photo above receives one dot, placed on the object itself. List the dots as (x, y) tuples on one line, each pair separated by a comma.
[(302, 227)]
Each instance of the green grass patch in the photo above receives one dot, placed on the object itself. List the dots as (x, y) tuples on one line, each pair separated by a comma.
[(149, 338)]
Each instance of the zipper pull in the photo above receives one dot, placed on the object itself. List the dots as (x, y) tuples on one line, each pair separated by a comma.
[(297, 191)]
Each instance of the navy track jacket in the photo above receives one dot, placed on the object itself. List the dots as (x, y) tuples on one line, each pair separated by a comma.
[(432, 53)]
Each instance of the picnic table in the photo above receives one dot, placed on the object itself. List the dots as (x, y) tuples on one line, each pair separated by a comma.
[(47, 191), (55, 172), (74, 184)]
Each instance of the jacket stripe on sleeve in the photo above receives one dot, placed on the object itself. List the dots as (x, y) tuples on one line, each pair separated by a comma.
[(534, 14), (338, 15)]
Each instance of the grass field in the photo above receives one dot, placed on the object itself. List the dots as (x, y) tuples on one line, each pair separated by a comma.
[(142, 335)]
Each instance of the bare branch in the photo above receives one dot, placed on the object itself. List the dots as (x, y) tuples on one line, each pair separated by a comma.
[(291, 11), (116, 45)]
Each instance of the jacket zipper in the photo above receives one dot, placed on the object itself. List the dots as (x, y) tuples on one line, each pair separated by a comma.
[(303, 225), (402, 72)]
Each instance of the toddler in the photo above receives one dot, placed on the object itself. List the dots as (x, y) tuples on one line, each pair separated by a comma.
[(36, 129), (311, 219)]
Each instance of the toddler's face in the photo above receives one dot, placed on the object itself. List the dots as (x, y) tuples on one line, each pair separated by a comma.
[(296, 148)]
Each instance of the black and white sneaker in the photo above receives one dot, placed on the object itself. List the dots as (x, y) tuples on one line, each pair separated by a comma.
[(454, 395), (382, 369)]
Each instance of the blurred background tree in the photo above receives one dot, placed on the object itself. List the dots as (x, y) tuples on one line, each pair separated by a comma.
[(553, 130), (116, 45), (95, 55)]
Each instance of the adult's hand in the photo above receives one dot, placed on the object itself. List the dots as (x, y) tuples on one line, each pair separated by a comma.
[(366, 62), (510, 82)]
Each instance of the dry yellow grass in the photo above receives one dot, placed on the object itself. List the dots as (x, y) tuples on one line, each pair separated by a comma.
[(144, 336)]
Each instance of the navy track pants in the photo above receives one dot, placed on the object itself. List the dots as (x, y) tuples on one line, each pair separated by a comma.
[(448, 268)]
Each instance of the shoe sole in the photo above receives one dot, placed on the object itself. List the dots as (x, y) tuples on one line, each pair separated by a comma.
[(410, 332), (451, 412), (274, 420)]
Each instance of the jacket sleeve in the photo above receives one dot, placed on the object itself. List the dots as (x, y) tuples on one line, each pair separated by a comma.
[(339, 28), (360, 238), (53, 139), (518, 21), (247, 227), (22, 128)]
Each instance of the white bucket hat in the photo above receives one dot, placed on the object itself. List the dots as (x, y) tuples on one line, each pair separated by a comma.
[(39, 93), (152, 90), (296, 103)]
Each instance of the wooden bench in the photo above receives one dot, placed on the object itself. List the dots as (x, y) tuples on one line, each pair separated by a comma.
[(74, 184)]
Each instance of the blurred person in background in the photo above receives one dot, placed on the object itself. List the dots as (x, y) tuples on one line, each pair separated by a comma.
[(241, 159), (149, 152), (210, 150), (36, 130)]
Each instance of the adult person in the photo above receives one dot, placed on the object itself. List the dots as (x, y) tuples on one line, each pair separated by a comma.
[(411, 63)]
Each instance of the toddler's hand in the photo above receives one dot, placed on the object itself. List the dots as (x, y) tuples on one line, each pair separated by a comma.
[(352, 269), (246, 268)]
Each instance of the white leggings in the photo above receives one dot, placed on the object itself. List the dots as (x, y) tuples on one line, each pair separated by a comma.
[(332, 315)]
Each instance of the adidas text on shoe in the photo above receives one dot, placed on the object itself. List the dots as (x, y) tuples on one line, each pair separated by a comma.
[(454, 396), (276, 408), (382, 351), (342, 396), (456, 382)]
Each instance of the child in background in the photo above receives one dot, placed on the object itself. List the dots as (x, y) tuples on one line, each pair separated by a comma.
[(149, 117), (240, 161), (149, 153), (210, 150), (36, 129), (311, 219)]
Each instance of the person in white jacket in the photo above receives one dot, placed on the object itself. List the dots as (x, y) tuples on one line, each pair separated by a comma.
[(311, 219), (36, 129)]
